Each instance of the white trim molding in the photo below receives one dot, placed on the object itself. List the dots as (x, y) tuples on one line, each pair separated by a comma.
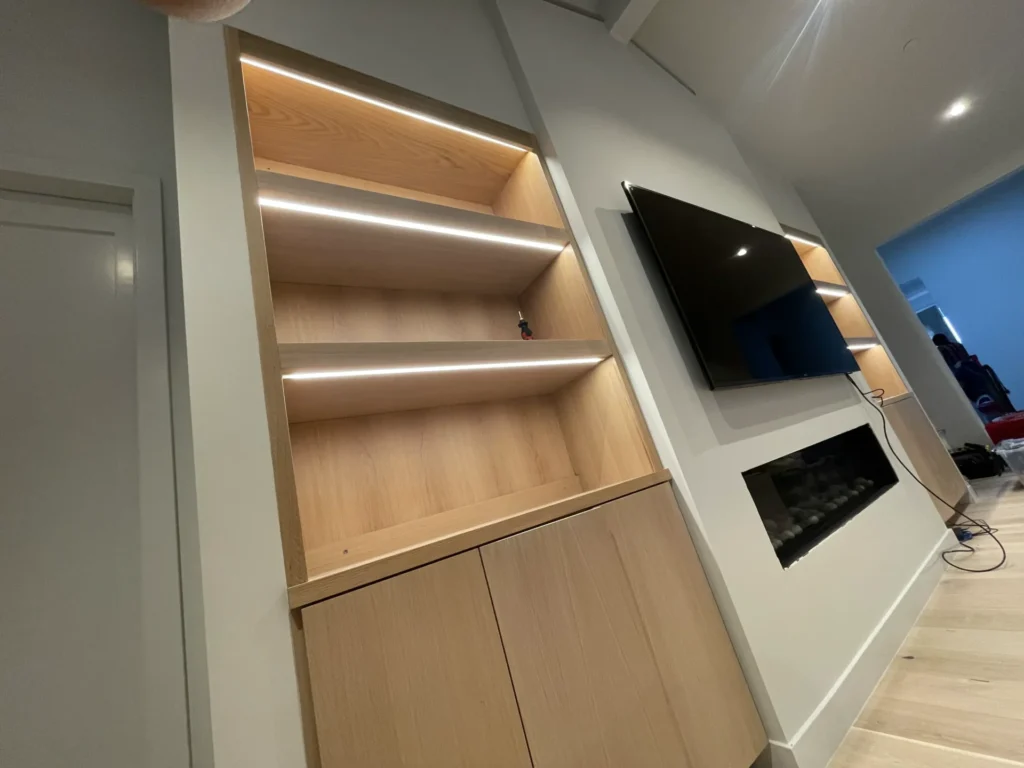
[(814, 743)]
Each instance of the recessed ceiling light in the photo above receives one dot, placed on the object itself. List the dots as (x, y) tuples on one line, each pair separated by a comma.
[(956, 109), (359, 373), (387, 221), (742, 252)]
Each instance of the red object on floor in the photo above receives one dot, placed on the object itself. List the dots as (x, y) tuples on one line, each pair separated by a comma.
[(1006, 427)]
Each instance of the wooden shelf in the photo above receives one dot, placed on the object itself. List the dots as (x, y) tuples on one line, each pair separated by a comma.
[(321, 399), (380, 554), (861, 340), (301, 123), (306, 247), (840, 291)]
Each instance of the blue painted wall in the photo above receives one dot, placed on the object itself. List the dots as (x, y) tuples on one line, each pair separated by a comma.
[(971, 258)]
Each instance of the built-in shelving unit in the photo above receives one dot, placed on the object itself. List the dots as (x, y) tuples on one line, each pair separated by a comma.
[(853, 323), (402, 240)]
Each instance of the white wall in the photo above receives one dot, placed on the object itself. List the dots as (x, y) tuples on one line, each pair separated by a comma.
[(86, 86), (606, 113), (446, 49), (969, 258)]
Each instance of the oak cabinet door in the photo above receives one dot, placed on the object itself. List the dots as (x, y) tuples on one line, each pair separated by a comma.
[(409, 673), (618, 654)]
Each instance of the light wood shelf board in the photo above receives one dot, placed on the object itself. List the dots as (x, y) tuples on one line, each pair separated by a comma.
[(879, 371), (559, 304), (322, 399), (338, 180), (304, 124), (370, 473), (827, 298), (314, 314), (422, 532), (310, 248), (850, 318), (313, 66), (527, 195), (602, 435), (819, 264), (375, 566)]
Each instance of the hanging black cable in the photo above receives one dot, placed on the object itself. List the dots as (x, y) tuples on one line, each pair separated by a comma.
[(984, 527)]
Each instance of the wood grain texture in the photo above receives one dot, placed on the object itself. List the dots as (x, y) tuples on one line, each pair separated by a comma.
[(926, 452), (602, 433), (411, 546), (309, 734), (423, 531), (369, 473), (957, 682), (277, 417), (410, 673), (310, 248), (334, 313), (559, 304), (850, 318), (527, 195), (290, 58), (879, 371), (302, 124), (618, 654), (870, 749), (272, 166), (819, 264), (320, 399)]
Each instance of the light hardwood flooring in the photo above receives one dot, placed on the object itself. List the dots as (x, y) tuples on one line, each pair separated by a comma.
[(954, 695)]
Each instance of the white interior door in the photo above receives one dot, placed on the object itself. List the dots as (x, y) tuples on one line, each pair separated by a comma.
[(73, 650)]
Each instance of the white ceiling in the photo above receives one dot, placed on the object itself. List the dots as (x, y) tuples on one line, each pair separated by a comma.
[(830, 92)]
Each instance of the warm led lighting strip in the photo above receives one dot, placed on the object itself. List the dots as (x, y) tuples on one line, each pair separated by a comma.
[(833, 291), (387, 221), (804, 241), (360, 373), (862, 347), (377, 102)]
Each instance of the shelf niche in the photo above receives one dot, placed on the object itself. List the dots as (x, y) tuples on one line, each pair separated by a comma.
[(876, 365), (390, 470)]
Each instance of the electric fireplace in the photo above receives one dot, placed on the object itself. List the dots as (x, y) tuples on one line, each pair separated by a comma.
[(806, 495)]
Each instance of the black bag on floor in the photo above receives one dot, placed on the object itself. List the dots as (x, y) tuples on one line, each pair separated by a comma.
[(976, 461)]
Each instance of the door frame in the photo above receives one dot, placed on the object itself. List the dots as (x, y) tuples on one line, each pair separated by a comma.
[(164, 682)]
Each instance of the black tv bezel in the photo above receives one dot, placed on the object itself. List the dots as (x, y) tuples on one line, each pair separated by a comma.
[(712, 383)]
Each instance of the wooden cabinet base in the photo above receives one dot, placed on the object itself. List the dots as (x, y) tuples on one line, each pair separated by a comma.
[(409, 673), (618, 654)]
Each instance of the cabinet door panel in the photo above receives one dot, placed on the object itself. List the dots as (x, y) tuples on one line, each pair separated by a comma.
[(617, 650), (409, 673)]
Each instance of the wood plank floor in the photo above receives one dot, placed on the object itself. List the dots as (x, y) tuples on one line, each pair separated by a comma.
[(954, 695)]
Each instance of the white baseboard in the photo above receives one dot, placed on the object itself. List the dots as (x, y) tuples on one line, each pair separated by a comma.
[(820, 736)]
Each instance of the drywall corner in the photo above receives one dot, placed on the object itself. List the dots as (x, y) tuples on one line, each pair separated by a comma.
[(243, 694), (820, 736)]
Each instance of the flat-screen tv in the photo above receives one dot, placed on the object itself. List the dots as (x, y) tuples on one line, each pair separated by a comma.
[(751, 311)]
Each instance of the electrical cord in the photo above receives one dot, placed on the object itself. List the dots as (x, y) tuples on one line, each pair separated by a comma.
[(984, 527)]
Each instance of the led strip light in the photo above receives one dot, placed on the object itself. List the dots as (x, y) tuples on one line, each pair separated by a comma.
[(360, 373), (803, 240), (861, 346), (366, 218), (829, 291), (377, 102)]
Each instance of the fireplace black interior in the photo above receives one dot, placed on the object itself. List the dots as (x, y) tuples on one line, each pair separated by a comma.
[(806, 495)]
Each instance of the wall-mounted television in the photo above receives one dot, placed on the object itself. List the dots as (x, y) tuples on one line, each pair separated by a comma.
[(751, 311)]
